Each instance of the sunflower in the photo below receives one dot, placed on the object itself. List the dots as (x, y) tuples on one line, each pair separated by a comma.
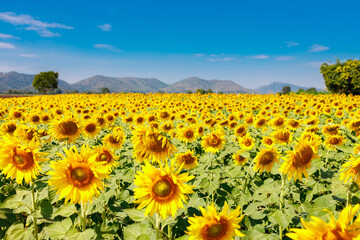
[(186, 134), (278, 121), (161, 191), (265, 160), (200, 130), (113, 140), (33, 118), (331, 129), (214, 141), (101, 122), (77, 177), (65, 128), (215, 226), (247, 142), (27, 134), (282, 136), (299, 160), (335, 140), (345, 228), (238, 158), (106, 157), (19, 161), (167, 126), (293, 124), (8, 127), (268, 141), (188, 159), (151, 144), (91, 129), (351, 170), (260, 122), (240, 130)]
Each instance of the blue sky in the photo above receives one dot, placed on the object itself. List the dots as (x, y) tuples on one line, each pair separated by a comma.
[(252, 43)]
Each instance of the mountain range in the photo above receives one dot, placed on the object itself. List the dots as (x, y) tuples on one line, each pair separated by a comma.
[(23, 82)]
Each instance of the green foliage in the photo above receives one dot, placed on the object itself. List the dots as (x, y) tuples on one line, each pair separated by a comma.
[(189, 92), (209, 91), (342, 76), (104, 90), (46, 81), (286, 89), (200, 91)]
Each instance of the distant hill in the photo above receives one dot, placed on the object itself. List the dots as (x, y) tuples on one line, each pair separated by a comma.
[(117, 84), (194, 83), (276, 87), (23, 82)]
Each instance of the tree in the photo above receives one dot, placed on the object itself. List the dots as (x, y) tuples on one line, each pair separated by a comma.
[(189, 92), (286, 89), (209, 91), (46, 81), (342, 76), (201, 91), (104, 90)]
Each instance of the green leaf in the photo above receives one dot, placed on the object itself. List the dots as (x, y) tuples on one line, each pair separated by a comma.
[(132, 232), (58, 230), (12, 202), (46, 208), (281, 218), (65, 211), (255, 211), (143, 237), (138, 215), (73, 234), (17, 232)]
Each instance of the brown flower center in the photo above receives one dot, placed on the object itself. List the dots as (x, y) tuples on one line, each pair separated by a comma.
[(154, 142), (303, 156), (68, 128), (104, 156), (267, 158), (10, 128), (22, 160), (215, 231), (79, 176), (214, 140), (90, 128), (188, 159), (35, 119)]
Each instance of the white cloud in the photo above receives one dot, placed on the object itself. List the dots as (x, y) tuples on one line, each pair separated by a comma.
[(105, 27), (291, 44), (7, 36), (6, 45), (199, 54), (315, 64), (107, 47), (28, 55), (261, 56), (224, 59), (31, 24), (284, 58), (318, 48)]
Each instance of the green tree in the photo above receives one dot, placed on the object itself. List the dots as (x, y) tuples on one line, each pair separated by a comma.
[(209, 91), (104, 90), (201, 91), (286, 89), (46, 81), (189, 92), (342, 76)]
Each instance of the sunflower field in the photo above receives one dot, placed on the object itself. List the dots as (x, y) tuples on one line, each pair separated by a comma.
[(180, 166)]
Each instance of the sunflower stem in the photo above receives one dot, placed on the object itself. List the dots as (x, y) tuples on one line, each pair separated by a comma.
[(348, 196), (83, 216), (157, 225), (33, 208), (281, 202)]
